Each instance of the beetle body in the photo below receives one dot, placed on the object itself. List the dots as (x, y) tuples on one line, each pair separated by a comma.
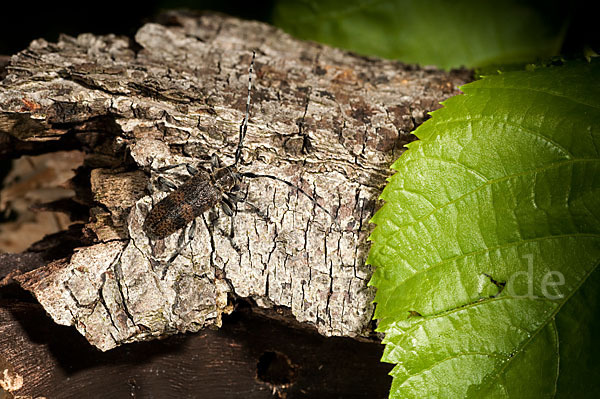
[(198, 194)]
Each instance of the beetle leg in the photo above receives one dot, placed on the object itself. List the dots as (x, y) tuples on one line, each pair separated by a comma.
[(165, 168), (191, 169), (227, 206), (234, 198), (215, 162), (192, 231), (236, 187), (181, 244), (150, 187), (181, 240), (165, 184)]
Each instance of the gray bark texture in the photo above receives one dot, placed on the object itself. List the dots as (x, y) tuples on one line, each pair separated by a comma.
[(323, 119)]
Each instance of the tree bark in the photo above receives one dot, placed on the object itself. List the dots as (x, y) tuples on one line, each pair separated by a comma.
[(325, 120)]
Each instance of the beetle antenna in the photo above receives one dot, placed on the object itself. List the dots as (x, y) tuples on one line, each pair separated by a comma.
[(244, 125), (310, 197)]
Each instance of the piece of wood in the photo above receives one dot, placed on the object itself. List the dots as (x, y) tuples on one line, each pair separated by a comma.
[(327, 121), (249, 357)]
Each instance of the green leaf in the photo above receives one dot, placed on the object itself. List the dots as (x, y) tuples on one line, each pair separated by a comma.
[(431, 32), (487, 245)]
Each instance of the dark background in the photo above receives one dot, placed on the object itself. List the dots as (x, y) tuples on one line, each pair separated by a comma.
[(251, 354), (22, 21)]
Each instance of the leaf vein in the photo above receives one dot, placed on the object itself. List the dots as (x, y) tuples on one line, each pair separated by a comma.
[(491, 182), (530, 89), (492, 118), (483, 251), (543, 325), (458, 355)]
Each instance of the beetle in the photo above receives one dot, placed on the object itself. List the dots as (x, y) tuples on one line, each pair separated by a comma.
[(204, 190), (201, 192)]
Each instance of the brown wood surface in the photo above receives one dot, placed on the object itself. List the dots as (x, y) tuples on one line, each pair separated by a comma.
[(56, 362)]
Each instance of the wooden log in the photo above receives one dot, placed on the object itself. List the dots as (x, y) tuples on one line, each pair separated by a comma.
[(324, 120), (249, 357)]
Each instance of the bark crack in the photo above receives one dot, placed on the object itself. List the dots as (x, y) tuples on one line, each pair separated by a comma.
[(319, 123), (121, 288)]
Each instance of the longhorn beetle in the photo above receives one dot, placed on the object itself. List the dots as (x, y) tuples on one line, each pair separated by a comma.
[(204, 190)]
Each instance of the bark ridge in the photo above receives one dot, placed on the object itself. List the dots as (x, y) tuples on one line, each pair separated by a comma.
[(322, 119)]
